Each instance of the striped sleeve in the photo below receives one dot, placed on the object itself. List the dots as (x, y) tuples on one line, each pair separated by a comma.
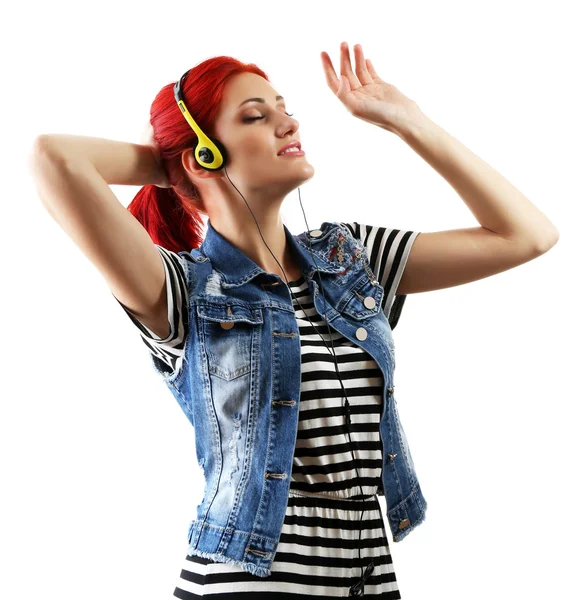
[(166, 353), (388, 251)]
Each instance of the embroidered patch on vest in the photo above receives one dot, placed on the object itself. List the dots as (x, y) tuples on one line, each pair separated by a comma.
[(344, 250)]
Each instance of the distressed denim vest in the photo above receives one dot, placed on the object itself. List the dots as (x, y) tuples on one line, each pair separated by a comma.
[(240, 383)]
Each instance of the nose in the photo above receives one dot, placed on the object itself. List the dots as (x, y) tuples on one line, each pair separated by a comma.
[(289, 125)]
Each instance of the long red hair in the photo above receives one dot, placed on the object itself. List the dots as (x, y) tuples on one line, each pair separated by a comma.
[(173, 216)]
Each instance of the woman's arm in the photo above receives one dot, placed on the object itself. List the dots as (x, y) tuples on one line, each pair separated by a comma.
[(512, 229), (118, 163), (496, 203), (72, 176)]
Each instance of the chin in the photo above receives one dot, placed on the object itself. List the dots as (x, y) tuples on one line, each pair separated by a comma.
[(309, 170)]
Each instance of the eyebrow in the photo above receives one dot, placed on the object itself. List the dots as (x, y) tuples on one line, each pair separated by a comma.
[(262, 100)]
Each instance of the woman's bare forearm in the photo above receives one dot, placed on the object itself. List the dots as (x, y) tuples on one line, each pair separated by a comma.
[(119, 163)]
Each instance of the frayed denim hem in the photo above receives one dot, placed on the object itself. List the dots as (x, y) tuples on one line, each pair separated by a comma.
[(217, 557)]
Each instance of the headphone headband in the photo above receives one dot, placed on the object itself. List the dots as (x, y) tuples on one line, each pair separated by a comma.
[(209, 153)]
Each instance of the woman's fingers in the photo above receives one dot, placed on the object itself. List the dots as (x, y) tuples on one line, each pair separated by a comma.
[(346, 67), (361, 68), (330, 74), (365, 72), (371, 70)]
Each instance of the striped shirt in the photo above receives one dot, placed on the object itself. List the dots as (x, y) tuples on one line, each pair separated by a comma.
[(318, 549)]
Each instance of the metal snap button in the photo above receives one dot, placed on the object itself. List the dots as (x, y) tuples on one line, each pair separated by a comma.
[(227, 324), (369, 302), (390, 390), (316, 233), (361, 333), (392, 456)]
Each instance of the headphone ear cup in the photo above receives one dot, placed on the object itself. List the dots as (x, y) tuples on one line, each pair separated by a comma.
[(222, 150), (208, 154)]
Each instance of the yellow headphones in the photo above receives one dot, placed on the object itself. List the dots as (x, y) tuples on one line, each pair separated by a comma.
[(209, 153)]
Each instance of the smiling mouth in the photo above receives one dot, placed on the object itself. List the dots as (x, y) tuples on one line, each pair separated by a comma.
[(294, 145), (292, 153)]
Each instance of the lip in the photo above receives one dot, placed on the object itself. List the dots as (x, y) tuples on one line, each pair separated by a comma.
[(293, 144)]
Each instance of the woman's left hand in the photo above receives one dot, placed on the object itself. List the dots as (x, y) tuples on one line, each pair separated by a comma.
[(147, 139), (365, 95)]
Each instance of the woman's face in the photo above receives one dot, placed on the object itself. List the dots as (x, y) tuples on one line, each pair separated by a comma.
[(254, 132)]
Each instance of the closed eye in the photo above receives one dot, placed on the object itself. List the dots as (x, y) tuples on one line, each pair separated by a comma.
[(263, 117)]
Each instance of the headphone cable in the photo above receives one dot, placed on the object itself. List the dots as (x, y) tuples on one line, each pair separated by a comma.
[(358, 588)]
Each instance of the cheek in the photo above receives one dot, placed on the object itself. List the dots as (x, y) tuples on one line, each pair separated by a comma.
[(256, 145), (251, 149)]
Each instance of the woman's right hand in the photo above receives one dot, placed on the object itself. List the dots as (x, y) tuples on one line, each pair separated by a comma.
[(147, 139)]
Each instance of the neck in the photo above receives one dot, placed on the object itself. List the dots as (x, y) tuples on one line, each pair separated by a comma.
[(244, 234)]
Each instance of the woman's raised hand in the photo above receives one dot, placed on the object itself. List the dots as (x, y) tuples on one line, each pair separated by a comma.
[(147, 139), (365, 95)]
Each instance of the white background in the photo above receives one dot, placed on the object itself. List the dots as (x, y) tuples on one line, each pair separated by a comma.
[(98, 471)]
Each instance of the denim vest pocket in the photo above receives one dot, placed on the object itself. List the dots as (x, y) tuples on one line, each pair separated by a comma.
[(365, 299), (364, 305), (229, 333)]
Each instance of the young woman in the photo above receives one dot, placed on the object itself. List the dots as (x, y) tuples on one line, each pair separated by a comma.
[(324, 527)]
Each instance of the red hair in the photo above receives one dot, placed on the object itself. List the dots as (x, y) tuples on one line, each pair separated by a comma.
[(172, 216)]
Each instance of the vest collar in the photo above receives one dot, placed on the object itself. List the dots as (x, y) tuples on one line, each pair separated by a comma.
[(236, 268)]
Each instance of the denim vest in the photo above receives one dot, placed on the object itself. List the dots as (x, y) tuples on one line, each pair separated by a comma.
[(240, 381)]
